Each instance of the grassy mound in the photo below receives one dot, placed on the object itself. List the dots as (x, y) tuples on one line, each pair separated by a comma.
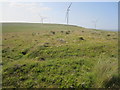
[(58, 56)]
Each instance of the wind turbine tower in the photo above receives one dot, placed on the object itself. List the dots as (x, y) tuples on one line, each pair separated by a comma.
[(95, 23), (42, 18), (67, 13)]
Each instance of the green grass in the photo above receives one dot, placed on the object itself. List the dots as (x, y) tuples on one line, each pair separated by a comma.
[(58, 56)]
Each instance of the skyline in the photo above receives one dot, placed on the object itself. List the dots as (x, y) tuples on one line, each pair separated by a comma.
[(81, 13)]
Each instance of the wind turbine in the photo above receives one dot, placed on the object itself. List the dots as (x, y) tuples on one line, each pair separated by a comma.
[(67, 13), (95, 23), (42, 18)]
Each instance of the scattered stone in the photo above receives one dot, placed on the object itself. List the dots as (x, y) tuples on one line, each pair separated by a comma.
[(46, 45), (62, 31), (22, 79), (24, 65), (42, 59), (48, 53), (24, 52), (20, 45), (114, 38), (1, 45), (67, 32), (13, 50), (52, 32), (3, 51), (62, 40), (8, 56), (108, 35), (81, 38)]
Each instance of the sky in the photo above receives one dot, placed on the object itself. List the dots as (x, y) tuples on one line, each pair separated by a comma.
[(85, 14)]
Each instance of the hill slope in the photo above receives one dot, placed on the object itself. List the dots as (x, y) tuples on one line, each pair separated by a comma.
[(52, 56)]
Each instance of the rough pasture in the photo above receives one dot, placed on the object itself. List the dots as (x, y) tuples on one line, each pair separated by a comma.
[(58, 56)]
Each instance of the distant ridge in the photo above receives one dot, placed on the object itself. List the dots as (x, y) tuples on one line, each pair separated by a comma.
[(25, 22)]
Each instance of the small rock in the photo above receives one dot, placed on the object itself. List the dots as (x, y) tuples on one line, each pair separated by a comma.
[(20, 45), (62, 31), (24, 53), (46, 45), (68, 32), (13, 50), (108, 35), (62, 40), (42, 59), (114, 38), (8, 56), (52, 32), (81, 38)]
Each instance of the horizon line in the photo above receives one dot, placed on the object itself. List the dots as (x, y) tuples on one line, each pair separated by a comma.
[(55, 23)]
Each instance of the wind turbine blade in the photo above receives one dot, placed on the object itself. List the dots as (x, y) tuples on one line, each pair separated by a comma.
[(70, 5)]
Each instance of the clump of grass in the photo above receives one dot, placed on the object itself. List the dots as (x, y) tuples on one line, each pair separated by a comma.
[(104, 70), (113, 82)]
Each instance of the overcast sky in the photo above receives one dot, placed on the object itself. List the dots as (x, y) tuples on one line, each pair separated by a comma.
[(81, 13)]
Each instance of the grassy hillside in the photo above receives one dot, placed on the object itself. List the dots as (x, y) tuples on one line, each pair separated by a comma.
[(58, 56)]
